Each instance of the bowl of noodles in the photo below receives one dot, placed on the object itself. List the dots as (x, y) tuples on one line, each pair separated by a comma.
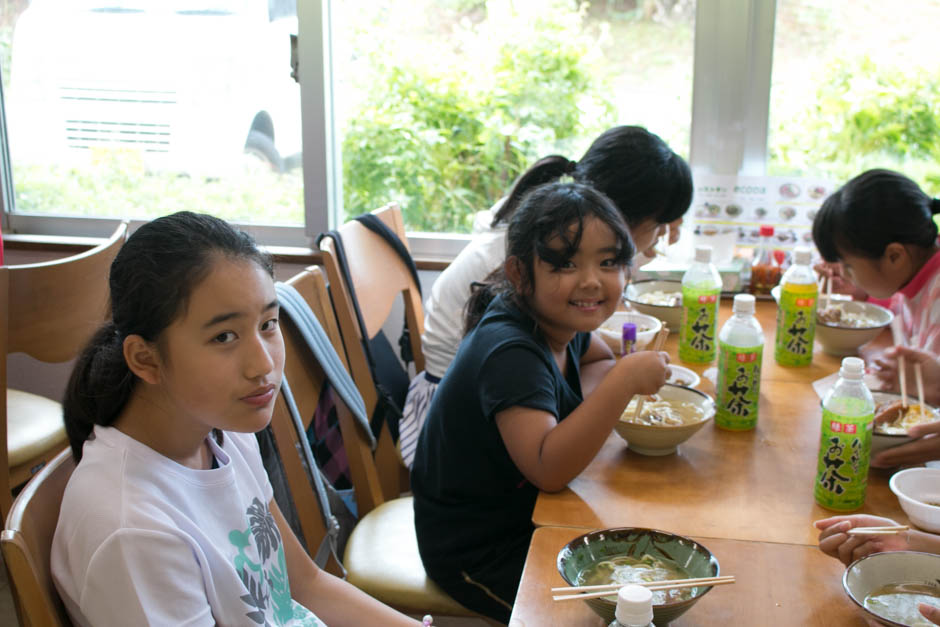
[(888, 586), (633, 554), (842, 327), (657, 298), (893, 419), (665, 420)]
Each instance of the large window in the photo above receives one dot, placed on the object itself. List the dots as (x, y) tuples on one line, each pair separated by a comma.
[(443, 103), (855, 86), (134, 108)]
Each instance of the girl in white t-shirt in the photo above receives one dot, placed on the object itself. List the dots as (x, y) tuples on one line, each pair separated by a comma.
[(168, 518)]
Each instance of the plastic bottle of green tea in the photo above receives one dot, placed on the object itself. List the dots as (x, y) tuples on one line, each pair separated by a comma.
[(740, 349), (796, 312), (848, 412), (701, 289), (634, 607)]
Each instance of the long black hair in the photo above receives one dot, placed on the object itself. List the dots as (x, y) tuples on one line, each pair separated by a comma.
[(636, 169), (872, 210), (545, 213), (151, 280)]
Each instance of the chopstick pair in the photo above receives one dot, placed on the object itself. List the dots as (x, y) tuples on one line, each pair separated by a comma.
[(660, 340), (897, 334), (603, 590), (826, 281), (877, 531)]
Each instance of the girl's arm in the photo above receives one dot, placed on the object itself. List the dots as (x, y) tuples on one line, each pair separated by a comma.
[(551, 453), (836, 542), (334, 601), (595, 364)]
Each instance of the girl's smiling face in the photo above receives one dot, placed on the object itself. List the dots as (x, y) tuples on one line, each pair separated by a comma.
[(581, 294), (220, 362)]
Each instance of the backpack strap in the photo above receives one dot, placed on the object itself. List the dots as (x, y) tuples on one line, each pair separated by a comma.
[(294, 305), (386, 408), (329, 544), (374, 224)]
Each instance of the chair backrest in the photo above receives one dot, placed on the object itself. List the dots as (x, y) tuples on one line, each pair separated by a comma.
[(26, 543), (306, 378), (378, 275), (50, 310)]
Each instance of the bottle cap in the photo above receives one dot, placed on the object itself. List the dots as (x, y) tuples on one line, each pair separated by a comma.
[(634, 605), (802, 255), (766, 230), (743, 304), (852, 368), (703, 254), (629, 331)]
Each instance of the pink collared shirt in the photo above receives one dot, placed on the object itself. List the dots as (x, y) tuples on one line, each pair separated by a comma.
[(918, 306)]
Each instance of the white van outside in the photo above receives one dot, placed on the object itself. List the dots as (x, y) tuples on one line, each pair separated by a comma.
[(190, 86)]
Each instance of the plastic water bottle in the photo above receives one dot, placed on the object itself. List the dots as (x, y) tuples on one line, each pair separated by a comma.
[(796, 312), (701, 288), (848, 414), (634, 607), (740, 349)]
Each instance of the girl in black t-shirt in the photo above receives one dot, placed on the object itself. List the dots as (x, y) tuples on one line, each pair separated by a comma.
[(508, 418)]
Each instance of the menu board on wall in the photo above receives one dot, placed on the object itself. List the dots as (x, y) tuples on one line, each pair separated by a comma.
[(729, 210)]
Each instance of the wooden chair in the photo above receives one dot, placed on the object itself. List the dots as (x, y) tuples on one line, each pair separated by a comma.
[(381, 555), (27, 540), (378, 276), (51, 311)]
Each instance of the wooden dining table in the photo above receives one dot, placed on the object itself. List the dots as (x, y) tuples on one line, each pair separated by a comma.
[(747, 496)]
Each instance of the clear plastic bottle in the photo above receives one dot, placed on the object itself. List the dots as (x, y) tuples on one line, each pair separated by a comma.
[(796, 312), (740, 350), (848, 414), (765, 271), (701, 289), (634, 607)]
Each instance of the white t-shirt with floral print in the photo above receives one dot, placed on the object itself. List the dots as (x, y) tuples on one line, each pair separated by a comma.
[(142, 540)]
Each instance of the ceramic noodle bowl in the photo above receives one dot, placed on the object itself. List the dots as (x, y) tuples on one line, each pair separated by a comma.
[(585, 552), (659, 293)]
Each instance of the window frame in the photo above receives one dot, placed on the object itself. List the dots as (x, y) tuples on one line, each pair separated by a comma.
[(731, 83)]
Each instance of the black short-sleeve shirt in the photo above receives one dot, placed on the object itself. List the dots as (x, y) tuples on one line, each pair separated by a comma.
[(471, 502)]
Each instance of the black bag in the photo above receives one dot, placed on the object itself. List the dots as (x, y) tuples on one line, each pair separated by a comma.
[(391, 379)]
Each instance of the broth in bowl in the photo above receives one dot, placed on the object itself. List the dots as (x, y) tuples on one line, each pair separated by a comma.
[(661, 412), (624, 569), (899, 601)]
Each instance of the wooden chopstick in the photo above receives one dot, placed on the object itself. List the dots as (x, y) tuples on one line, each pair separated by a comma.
[(898, 336), (877, 531), (919, 377), (617, 586), (660, 340), (595, 592), (639, 407)]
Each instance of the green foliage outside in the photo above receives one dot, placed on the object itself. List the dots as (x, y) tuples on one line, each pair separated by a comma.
[(866, 116), (447, 140)]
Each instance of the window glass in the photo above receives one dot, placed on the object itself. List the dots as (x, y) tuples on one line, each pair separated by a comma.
[(441, 104), (137, 108), (855, 86)]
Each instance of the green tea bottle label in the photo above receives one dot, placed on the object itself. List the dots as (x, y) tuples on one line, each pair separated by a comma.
[(697, 333), (738, 386), (796, 325), (844, 451)]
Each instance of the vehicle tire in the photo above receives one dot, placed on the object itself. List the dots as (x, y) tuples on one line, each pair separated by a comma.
[(261, 147)]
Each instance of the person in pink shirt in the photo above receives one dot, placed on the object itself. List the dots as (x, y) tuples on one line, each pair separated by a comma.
[(879, 226)]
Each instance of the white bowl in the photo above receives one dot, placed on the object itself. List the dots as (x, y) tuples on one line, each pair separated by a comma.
[(915, 487), (612, 329), (663, 440), (866, 575), (671, 315), (840, 340), (881, 441), (680, 375)]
